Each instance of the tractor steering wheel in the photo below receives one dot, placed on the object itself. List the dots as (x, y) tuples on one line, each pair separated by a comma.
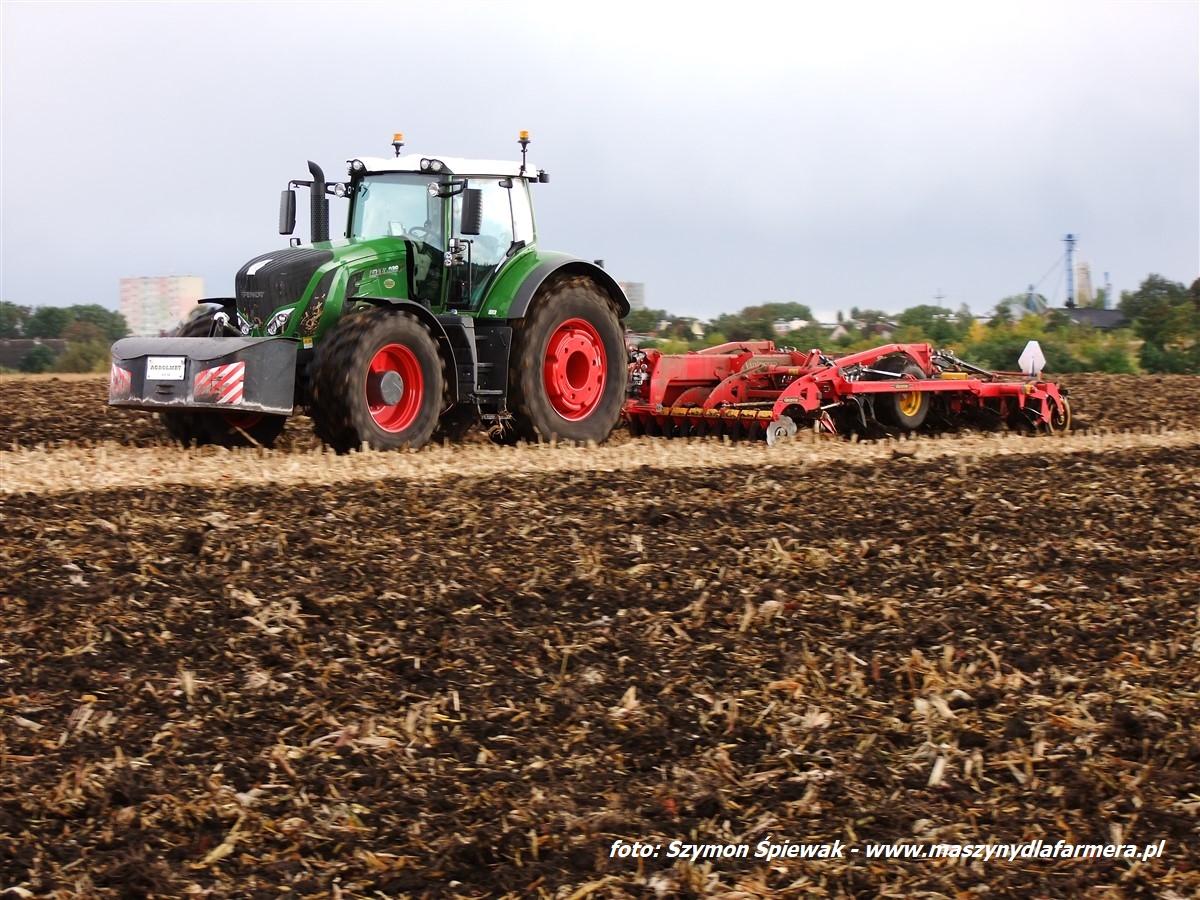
[(421, 233)]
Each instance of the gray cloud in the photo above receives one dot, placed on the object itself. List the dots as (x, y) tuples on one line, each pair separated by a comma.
[(863, 154)]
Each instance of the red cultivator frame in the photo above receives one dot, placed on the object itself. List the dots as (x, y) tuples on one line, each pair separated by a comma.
[(751, 390)]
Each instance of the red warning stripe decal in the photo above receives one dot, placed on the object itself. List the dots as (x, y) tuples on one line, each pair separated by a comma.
[(120, 381), (224, 384)]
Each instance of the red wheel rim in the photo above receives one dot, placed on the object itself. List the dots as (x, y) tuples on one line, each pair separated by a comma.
[(403, 362), (242, 420), (574, 371)]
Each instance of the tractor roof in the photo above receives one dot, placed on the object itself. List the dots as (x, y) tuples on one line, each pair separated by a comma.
[(455, 165)]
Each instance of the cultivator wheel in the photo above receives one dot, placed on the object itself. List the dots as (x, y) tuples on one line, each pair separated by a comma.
[(906, 410), (198, 427), (782, 429), (568, 379), (1060, 416), (377, 380)]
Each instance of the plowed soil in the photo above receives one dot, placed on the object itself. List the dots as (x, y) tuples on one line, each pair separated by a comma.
[(469, 671)]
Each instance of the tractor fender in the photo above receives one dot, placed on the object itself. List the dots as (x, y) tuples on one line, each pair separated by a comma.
[(554, 267), (423, 315)]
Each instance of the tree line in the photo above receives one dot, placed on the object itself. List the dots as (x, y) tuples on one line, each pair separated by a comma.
[(1162, 334), (89, 330)]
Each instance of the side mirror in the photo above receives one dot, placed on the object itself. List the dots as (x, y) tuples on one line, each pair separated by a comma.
[(472, 211), (287, 211)]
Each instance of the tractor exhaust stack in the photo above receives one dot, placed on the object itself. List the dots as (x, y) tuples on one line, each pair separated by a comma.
[(319, 205)]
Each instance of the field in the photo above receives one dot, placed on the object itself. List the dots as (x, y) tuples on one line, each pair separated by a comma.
[(467, 672)]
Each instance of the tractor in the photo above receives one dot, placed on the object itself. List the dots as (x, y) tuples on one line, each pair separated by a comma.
[(437, 312)]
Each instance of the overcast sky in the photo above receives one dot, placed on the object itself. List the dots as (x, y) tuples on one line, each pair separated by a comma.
[(834, 154)]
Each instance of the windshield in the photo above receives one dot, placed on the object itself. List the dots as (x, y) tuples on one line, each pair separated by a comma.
[(397, 205)]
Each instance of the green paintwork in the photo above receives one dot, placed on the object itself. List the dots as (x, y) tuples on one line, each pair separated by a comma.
[(502, 291), (382, 263), (379, 259)]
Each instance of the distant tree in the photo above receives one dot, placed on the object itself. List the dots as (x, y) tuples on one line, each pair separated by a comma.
[(1002, 352), (1057, 320), (1003, 315), (112, 325), (1163, 360), (735, 327), (13, 319), (758, 322), (645, 320), (84, 332), (868, 318), (90, 356), (671, 346), (934, 322), (911, 334), (1113, 360), (38, 358), (47, 322), (849, 339), (964, 318), (1163, 312), (678, 328), (807, 338)]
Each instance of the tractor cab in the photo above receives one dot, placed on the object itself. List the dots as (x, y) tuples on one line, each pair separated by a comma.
[(461, 220), (399, 205), (439, 229)]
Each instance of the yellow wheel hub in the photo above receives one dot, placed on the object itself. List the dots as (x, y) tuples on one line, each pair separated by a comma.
[(909, 403)]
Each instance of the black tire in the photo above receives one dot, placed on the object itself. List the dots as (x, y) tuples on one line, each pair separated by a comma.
[(907, 410), (197, 428), (569, 364), (377, 380)]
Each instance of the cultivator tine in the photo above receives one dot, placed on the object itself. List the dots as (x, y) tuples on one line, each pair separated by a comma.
[(695, 421)]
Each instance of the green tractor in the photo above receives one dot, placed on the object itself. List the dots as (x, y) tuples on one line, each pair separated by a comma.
[(435, 313)]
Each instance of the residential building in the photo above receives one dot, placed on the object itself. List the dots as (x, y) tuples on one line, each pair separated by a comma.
[(636, 292), (785, 326), (156, 305)]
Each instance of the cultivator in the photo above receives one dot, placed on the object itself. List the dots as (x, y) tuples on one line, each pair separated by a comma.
[(753, 390)]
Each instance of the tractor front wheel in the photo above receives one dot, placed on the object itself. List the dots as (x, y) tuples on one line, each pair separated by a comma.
[(198, 427), (570, 371), (377, 380)]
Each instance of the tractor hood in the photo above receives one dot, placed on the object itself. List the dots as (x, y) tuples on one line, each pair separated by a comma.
[(276, 279), (283, 279)]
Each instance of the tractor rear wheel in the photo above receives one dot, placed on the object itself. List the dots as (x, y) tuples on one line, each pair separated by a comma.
[(198, 427), (377, 380), (570, 368), (904, 409)]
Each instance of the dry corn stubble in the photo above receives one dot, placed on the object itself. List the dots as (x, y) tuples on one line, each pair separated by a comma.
[(417, 675)]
